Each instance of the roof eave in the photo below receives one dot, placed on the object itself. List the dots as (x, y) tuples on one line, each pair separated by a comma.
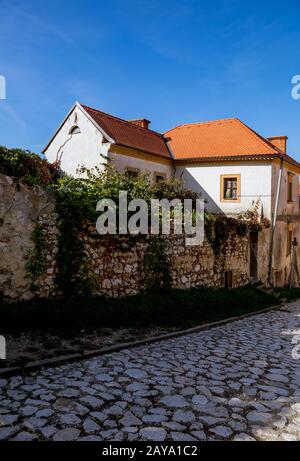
[(260, 157)]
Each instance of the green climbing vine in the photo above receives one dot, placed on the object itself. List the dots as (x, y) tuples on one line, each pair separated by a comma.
[(218, 229), (36, 258), (255, 217), (76, 200), (72, 276), (157, 266)]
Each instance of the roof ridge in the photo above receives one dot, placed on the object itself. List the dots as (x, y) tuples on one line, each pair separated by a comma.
[(203, 123), (126, 122)]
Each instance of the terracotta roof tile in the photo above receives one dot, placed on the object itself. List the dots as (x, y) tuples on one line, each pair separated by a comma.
[(130, 135), (221, 138)]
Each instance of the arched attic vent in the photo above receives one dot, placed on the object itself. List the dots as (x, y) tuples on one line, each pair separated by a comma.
[(74, 130)]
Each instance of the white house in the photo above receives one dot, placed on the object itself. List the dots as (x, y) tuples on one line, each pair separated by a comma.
[(232, 166), (235, 168), (91, 137)]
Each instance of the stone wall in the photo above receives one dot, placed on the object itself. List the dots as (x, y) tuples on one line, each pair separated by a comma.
[(20, 208), (116, 265)]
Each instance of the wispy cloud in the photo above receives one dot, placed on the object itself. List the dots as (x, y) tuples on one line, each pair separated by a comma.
[(17, 19), (8, 111)]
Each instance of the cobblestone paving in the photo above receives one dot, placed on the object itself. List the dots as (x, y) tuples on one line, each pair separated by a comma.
[(236, 382)]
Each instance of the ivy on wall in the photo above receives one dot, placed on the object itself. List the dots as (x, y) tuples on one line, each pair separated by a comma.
[(255, 217), (36, 258), (218, 229), (157, 266), (76, 200), (72, 274)]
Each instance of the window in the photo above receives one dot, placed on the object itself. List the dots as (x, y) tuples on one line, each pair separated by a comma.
[(290, 187), (74, 130), (132, 172), (230, 188), (289, 239), (158, 177)]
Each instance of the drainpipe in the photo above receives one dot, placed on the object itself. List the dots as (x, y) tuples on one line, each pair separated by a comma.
[(270, 281), (167, 142)]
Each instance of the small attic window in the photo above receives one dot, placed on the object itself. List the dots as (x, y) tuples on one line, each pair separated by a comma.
[(75, 130)]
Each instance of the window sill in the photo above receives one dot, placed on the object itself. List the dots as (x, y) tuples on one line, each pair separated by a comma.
[(224, 200)]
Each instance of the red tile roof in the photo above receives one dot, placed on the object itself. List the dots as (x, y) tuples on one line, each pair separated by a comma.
[(130, 135), (228, 139), (217, 139)]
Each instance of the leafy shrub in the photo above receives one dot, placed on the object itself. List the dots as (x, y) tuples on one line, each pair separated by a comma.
[(32, 169), (173, 188), (218, 229), (93, 185)]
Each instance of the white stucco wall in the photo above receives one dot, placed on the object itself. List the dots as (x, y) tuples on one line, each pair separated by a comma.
[(256, 183), (87, 148), (83, 148), (151, 167), (287, 214), (285, 208)]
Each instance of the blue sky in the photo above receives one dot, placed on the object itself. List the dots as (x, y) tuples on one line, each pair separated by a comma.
[(172, 61)]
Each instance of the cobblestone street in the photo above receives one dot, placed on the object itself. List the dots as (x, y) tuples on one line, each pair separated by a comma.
[(235, 382)]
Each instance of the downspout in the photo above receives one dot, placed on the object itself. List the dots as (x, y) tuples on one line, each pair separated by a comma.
[(171, 155), (270, 281)]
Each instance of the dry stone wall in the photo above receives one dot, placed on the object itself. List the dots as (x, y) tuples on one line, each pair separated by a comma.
[(115, 263), (20, 208)]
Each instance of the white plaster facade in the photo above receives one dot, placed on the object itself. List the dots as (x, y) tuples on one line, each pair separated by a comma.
[(83, 148), (91, 147), (284, 206), (256, 184), (288, 219), (258, 181), (143, 165)]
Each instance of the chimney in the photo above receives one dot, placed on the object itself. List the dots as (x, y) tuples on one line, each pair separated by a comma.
[(279, 141), (143, 122)]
